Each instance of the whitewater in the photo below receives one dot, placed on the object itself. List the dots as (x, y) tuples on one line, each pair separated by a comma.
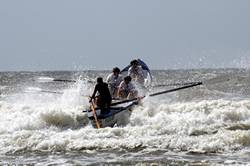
[(42, 121)]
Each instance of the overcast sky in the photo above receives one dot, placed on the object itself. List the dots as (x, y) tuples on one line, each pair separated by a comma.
[(99, 34)]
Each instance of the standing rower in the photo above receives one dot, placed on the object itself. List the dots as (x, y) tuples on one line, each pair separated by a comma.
[(136, 72), (104, 99)]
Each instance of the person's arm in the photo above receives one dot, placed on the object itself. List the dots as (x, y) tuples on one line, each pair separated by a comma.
[(119, 91), (119, 80), (93, 95), (132, 91)]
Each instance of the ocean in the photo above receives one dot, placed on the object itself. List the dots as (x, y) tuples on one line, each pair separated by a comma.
[(42, 123)]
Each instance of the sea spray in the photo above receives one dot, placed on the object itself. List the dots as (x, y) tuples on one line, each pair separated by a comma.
[(203, 120)]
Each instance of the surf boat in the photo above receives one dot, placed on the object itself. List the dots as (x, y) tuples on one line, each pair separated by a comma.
[(120, 111), (118, 115)]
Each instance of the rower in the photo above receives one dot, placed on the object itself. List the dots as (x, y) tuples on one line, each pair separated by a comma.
[(104, 99), (114, 79), (127, 89), (136, 72)]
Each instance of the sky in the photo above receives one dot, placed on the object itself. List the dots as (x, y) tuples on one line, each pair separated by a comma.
[(40, 35)]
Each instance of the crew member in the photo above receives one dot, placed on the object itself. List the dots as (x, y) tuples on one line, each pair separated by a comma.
[(136, 72), (104, 99), (114, 79), (127, 89)]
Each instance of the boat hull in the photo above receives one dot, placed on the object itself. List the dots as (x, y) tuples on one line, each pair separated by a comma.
[(118, 116)]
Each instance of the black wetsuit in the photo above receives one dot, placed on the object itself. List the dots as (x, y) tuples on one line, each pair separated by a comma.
[(105, 97)]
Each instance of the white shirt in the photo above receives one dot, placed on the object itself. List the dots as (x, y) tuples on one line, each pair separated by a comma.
[(114, 81), (126, 87)]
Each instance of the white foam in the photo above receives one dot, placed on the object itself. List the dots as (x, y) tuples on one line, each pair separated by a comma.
[(47, 122)]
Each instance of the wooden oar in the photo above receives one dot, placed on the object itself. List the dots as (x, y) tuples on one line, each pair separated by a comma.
[(175, 84), (63, 80), (36, 90), (50, 79), (92, 106), (175, 89), (46, 91), (159, 93)]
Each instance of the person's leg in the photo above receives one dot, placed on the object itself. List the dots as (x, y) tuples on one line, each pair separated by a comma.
[(106, 105), (123, 95)]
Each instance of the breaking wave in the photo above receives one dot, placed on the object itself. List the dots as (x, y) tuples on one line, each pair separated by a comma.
[(208, 126), (48, 119)]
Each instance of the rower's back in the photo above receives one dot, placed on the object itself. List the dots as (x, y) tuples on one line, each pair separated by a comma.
[(103, 90)]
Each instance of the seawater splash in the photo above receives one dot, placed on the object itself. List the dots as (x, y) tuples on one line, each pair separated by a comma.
[(205, 126), (243, 61), (202, 120), (30, 107)]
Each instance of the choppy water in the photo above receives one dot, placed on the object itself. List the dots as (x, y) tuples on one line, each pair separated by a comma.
[(208, 125)]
